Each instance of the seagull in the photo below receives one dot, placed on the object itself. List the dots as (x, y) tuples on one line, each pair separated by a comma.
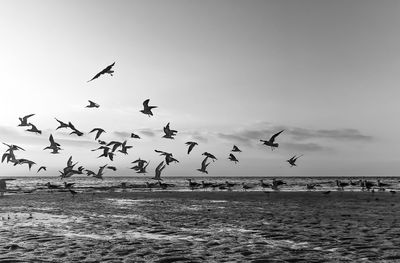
[(124, 148), (92, 105), (24, 120), (191, 146), (204, 165), (193, 184), (209, 155), (99, 173), (52, 186), (292, 161), (159, 169), (147, 109), (53, 145), (264, 185), (62, 124), (233, 158), (72, 192), (74, 130), (34, 129), (235, 149), (168, 157), (107, 70), (341, 184), (169, 133), (135, 136), (68, 185), (41, 168), (140, 164), (276, 183), (142, 170), (246, 186), (98, 131), (271, 141), (115, 144)]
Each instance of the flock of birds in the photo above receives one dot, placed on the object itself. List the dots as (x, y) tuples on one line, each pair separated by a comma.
[(109, 149)]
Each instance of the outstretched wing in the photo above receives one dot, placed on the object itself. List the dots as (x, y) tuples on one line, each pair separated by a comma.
[(274, 136)]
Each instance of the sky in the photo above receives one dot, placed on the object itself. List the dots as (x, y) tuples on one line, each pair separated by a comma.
[(223, 73)]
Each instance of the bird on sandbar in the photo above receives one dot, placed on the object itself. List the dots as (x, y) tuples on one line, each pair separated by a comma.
[(107, 70), (24, 120), (271, 141), (147, 109), (92, 104), (193, 184), (191, 146)]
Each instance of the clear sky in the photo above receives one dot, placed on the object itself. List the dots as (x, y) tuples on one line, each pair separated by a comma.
[(221, 72)]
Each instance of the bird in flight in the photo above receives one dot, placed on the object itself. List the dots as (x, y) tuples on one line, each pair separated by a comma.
[(191, 146), (292, 161), (53, 145), (233, 158), (235, 149), (98, 131), (34, 129), (135, 136), (147, 109), (107, 70), (159, 169), (62, 124), (92, 104), (169, 134), (24, 120), (271, 141), (74, 130), (41, 168), (204, 165), (168, 157)]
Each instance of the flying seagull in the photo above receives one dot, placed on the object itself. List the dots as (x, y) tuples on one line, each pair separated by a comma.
[(135, 136), (74, 130), (271, 141), (98, 131), (92, 104), (41, 168), (209, 155), (233, 158), (159, 169), (169, 133), (191, 146), (34, 129), (235, 149), (292, 161), (53, 145), (62, 124), (24, 120), (204, 165), (107, 70), (147, 109)]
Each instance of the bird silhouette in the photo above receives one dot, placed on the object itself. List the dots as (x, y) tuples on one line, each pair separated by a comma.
[(159, 169), (204, 166), (292, 161), (92, 104), (191, 146), (209, 155), (41, 168), (24, 120), (55, 147), (235, 149), (169, 134), (135, 136), (98, 131), (233, 158), (271, 141), (74, 130), (147, 109), (107, 70), (61, 124), (34, 129)]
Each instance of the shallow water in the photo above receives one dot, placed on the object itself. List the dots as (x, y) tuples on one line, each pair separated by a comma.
[(200, 227)]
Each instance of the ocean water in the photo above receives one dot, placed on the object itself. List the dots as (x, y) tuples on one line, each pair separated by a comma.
[(181, 183)]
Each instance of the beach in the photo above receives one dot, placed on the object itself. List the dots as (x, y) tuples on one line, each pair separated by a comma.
[(200, 226)]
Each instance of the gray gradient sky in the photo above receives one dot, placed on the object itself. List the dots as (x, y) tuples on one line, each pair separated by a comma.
[(221, 72)]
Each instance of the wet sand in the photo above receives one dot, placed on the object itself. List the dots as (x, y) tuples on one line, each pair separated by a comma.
[(200, 227)]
